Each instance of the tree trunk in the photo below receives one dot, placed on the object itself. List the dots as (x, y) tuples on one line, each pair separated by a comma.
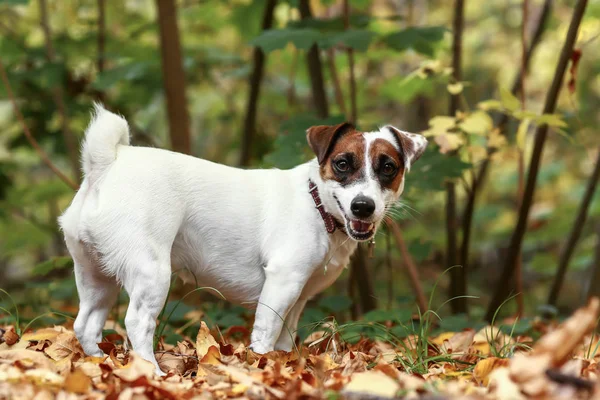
[(514, 249), (458, 276), (101, 43), (575, 233), (363, 282), (258, 66), (315, 69), (57, 94), (173, 77)]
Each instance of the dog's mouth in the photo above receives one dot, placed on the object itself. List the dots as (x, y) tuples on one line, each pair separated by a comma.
[(355, 228), (359, 230)]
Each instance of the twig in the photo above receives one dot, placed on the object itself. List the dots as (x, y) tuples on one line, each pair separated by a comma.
[(458, 276), (516, 240), (479, 181), (521, 158), (57, 94), (258, 66), (315, 69), (575, 233), (350, 52), (41, 153), (100, 61), (413, 275)]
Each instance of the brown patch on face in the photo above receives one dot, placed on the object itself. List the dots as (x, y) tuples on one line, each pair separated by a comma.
[(351, 149), (382, 155)]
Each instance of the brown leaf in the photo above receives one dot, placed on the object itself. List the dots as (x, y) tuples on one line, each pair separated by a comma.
[(10, 337), (135, 368), (78, 382)]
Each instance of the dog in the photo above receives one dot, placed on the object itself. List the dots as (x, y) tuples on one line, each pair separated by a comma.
[(265, 238)]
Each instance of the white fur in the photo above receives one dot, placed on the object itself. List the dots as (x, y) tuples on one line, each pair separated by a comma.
[(254, 235)]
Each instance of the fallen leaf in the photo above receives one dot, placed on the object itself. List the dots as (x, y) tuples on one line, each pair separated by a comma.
[(78, 382), (372, 383), (485, 367)]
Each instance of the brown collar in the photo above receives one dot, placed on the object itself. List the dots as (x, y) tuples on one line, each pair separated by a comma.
[(330, 222)]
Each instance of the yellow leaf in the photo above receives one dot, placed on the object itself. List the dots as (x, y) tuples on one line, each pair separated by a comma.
[(509, 101), (372, 383), (135, 368), (484, 368), (522, 133), (440, 125), (496, 140), (78, 382), (204, 341), (478, 153), (455, 88), (42, 334), (212, 356), (477, 123), (449, 142)]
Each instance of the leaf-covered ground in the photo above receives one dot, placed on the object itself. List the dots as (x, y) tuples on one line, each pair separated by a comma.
[(488, 364)]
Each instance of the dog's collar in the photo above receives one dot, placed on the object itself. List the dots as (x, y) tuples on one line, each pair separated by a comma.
[(330, 222)]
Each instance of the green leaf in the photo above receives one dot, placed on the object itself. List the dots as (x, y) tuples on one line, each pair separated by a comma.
[(488, 105), (52, 264), (434, 169), (421, 39), (354, 38), (404, 90), (420, 250), (554, 120), (509, 101), (14, 2), (273, 39), (290, 147), (335, 304), (522, 133), (387, 315)]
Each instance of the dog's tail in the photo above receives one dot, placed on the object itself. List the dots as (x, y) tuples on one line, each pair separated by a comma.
[(105, 132)]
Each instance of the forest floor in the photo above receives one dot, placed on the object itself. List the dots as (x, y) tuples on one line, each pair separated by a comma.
[(488, 364)]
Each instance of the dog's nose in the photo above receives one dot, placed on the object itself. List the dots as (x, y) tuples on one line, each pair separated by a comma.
[(362, 206)]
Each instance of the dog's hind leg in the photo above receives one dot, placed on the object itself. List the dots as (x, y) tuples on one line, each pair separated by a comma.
[(97, 294), (148, 287)]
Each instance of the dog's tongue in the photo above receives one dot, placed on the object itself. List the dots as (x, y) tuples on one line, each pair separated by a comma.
[(360, 226)]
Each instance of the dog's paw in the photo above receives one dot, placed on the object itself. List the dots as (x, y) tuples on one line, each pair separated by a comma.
[(260, 348)]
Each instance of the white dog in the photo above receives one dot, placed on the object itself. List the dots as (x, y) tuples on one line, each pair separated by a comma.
[(270, 239)]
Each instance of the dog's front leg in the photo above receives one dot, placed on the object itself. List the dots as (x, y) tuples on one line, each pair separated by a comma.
[(281, 290)]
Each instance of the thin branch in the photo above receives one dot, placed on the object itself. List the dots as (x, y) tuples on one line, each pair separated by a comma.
[(350, 52), (411, 269), (41, 153), (575, 233), (337, 87), (514, 248), (100, 61), (315, 69), (458, 276), (258, 66), (57, 94), (481, 175), (521, 158)]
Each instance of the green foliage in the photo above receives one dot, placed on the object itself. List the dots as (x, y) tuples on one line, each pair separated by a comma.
[(421, 39)]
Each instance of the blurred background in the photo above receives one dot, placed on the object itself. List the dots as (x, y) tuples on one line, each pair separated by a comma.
[(239, 82)]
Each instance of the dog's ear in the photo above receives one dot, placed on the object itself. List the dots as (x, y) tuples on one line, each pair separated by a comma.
[(411, 145), (321, 138)]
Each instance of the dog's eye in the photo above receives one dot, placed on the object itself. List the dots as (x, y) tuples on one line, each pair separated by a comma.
[(342, 165), (388, 169)]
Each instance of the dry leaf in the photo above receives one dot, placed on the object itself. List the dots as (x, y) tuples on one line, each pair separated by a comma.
[(78, 382), (372, 383)]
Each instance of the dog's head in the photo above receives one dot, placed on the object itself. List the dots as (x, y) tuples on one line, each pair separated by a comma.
[(363, 172)]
